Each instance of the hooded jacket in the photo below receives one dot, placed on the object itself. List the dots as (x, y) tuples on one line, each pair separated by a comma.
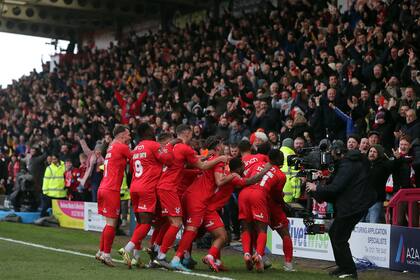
[(349, 190), (379, 171)]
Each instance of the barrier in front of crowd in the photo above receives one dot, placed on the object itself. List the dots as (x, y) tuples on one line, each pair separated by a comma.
[(385, 245), (78, 215)]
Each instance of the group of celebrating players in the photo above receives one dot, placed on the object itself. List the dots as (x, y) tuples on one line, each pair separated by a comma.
[(172, 186)]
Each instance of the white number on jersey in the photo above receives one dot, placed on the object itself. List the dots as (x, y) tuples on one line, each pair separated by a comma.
[(138, 168), (267, 176)]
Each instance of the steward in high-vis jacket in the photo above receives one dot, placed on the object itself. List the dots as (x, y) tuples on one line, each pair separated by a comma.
[(291, 189), (53, 186)]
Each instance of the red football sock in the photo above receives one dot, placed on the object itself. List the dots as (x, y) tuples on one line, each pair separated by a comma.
[(185, 243), (215, 252), (101, 242), (254, 236), (288, 249), (169, 238), (163, 229), (261, 242), (109, 235), (137, 243), (246, 241), (140, 233)]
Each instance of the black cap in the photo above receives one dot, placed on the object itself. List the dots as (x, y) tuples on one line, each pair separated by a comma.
[(374, 132)]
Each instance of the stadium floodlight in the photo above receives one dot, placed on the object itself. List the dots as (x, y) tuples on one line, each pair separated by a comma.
[(15, 2)]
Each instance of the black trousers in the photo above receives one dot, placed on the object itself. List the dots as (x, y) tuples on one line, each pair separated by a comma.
[(46, 204), (340, 232)]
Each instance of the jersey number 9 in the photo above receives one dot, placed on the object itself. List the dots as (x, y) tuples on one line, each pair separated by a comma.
[(138, 168)]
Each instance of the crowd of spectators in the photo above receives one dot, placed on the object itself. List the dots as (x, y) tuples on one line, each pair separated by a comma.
[(303, 70)]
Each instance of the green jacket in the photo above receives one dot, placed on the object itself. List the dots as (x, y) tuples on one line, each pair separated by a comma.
[(291, 188), (53, 184)]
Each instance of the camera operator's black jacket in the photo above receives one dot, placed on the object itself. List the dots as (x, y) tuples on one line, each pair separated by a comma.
[(349, 190)]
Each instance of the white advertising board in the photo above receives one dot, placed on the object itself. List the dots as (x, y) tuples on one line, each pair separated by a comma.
[(368, 241), (93, 221)]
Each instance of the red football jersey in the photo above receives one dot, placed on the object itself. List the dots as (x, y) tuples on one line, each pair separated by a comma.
[(251, 161), (204, 186), (222, 194), (146, 163), (272, 182), (115, 162), (172, 175), (188, 177)]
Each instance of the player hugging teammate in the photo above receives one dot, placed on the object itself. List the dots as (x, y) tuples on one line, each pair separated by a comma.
[(172, 186)]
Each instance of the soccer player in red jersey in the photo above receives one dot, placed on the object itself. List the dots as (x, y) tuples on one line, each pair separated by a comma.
[(196, 197), (169, 183), (212, 221), (147, 160), (115, 162), (254, 212), (250, 160), (278, 218)]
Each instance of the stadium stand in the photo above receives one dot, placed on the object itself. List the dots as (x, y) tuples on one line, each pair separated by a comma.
[(302, 70)]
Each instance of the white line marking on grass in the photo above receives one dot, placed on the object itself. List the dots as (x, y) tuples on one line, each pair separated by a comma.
[(91, 256)]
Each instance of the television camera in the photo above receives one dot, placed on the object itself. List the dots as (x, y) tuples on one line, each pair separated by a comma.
[(313, 164)]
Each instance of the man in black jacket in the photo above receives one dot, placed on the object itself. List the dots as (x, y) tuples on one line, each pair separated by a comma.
[(379, 171), (352, 197)]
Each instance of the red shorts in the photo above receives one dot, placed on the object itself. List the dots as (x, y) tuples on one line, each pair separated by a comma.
[(253, 205), (194, 210), (212, 221), (143, 202), (109, 203), (278, 218), (169, 203)]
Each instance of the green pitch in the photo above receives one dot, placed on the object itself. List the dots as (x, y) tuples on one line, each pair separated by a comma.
[(19, 261)]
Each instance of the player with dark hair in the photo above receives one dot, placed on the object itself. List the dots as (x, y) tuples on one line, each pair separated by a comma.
[(196, 197), (254, 209), (212, 221), (148, 157), (116, 158), (169, 194)]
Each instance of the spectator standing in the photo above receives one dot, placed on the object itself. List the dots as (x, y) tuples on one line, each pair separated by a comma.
[(379, 171), (53, 186), (93, 175), (404, 178)]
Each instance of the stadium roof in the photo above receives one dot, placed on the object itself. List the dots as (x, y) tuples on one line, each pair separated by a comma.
[(67, 19)]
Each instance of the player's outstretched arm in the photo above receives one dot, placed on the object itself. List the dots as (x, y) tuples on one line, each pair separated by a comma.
[(204, 165), (256, 178), (222, 179)]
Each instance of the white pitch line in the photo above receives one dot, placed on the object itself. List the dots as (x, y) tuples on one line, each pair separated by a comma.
[(91, 256)]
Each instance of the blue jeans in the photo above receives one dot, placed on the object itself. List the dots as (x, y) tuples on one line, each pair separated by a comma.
[(375, 213)]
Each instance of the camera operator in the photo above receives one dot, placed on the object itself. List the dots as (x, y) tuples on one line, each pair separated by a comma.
[(352, 197)]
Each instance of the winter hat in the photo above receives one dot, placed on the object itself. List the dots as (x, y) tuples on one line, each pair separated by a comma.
[(288, 142)]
